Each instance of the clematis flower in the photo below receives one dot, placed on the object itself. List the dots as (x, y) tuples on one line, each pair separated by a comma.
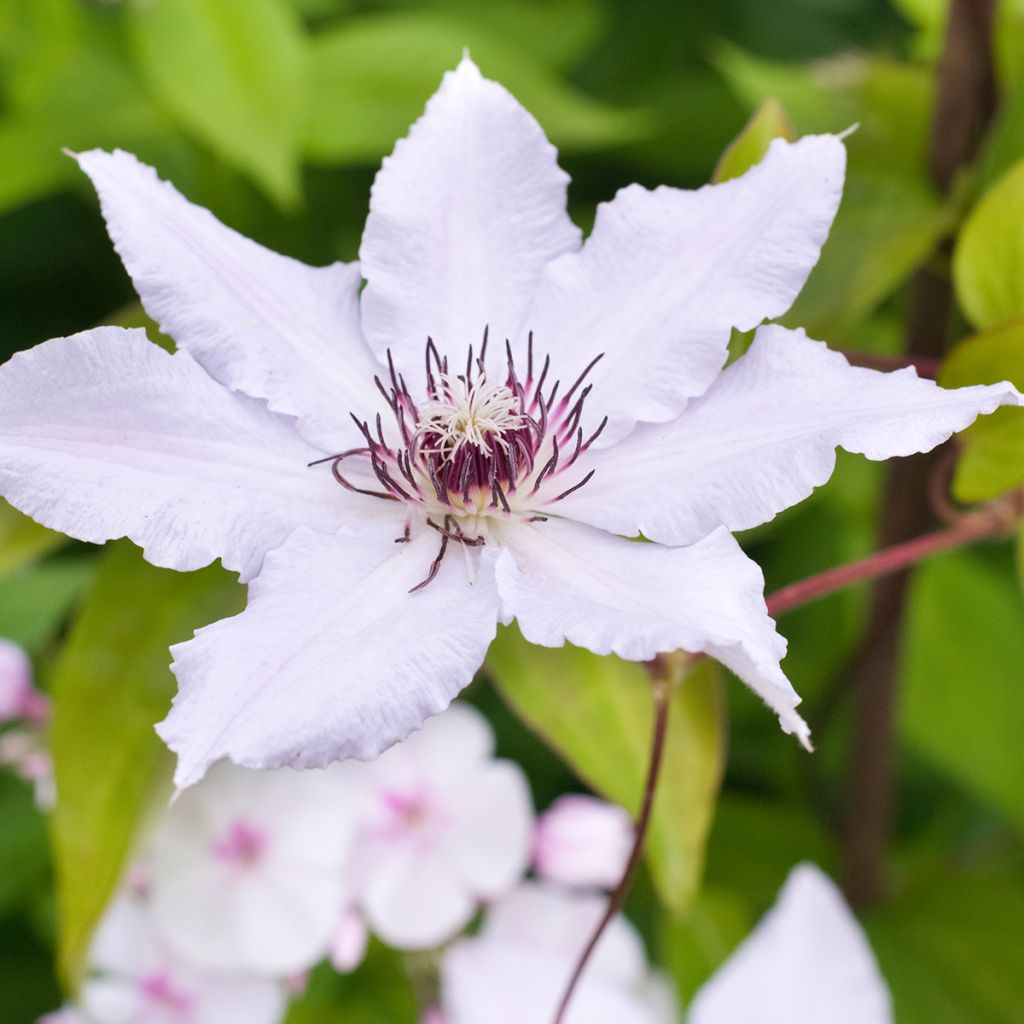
[(806, 962), (441, 826), (136, 980), (245, 870), (583, 841), (515, 971), (470, 438)]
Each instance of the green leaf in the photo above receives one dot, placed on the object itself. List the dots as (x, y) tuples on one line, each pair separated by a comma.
[(34, 602), (234, 75), (24, 852), (961, 676), (988, 262), (598, 714), (951, 949), (379, 990), (373, 75), (22, 541), (110, 685), (769, 122), (992, 460)]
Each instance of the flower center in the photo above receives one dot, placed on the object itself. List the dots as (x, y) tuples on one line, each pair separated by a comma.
[(242, 845), (473, 449)]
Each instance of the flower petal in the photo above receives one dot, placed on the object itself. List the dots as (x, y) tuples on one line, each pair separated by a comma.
[(764, 436), (258, 322), (463, 217), (666, 275), (806, 962), (334, 657), (563, 581), (105, 435)]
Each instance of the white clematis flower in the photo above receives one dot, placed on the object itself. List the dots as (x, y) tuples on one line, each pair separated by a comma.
[(136, 979), (441, 826), (516, 970), (394, 485), (245, 870), (807, 962)]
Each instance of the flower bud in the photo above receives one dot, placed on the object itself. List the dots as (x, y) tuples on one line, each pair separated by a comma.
[(584, 842)]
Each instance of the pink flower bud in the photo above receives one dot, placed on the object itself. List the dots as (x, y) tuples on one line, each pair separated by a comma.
[(348, 946), (17, 695), (582, 841)]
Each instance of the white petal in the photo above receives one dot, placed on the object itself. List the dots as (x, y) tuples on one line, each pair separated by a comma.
[(416, 899), (806, 962), (563, 581), (16, 689), (449, 746), (667, 273), (333, 657), (764, 436), (105, 435), (490, 833), (258, 322), (273, 913), (463, 216)]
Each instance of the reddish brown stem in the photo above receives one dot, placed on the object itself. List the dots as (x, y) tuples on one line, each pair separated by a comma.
[(662, 693), (971, 527)]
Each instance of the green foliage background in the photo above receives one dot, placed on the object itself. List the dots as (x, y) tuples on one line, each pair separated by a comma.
[(274, 113)]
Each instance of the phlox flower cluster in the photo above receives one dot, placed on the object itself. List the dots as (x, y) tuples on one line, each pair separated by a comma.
[(24, 715)]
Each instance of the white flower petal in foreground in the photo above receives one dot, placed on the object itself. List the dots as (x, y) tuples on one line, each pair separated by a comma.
[(443, 448), (807, 962), (246, 870), (442, 826), (516, 970), (582, 841), (135, 979)]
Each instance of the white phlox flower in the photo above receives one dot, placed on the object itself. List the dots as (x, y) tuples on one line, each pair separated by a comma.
[(441, 826), (807, 962), (245, 870), (582, 841), (136, 979), (468, 439), (516, 970)]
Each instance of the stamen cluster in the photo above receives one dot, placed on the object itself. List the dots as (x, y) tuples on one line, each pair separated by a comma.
[(475, 449)]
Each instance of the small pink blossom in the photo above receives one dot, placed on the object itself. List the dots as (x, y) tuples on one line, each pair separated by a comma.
[(582, 841), (19, 699), (348, 945), (441, 827)]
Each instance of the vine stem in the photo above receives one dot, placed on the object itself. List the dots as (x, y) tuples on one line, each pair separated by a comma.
[(662, 692), (988, 522)]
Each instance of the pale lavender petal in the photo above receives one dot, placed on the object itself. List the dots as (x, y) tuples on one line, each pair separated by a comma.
[(260, 323), (666, 275), (334, 657), (764, 436), (105, 435), (463, 217)]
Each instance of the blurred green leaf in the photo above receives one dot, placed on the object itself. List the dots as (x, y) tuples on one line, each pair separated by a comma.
[(992, 461), (597, 712), (988, 263), (110, 685), (963, 659), (378, 990), (769, 122), (35, 601), (24, 850), (22, 541), (951, 949), (372, 77), (693, 946), (234, 75)]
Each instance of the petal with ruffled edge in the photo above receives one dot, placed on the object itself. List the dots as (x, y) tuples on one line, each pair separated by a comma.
[(334, 657), (565, 581), (806, 962), (666, 274), (258, 322), (764, 436), (463, 217), (105, 435)]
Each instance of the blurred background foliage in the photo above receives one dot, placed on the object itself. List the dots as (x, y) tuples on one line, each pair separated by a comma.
[(275, 113)]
